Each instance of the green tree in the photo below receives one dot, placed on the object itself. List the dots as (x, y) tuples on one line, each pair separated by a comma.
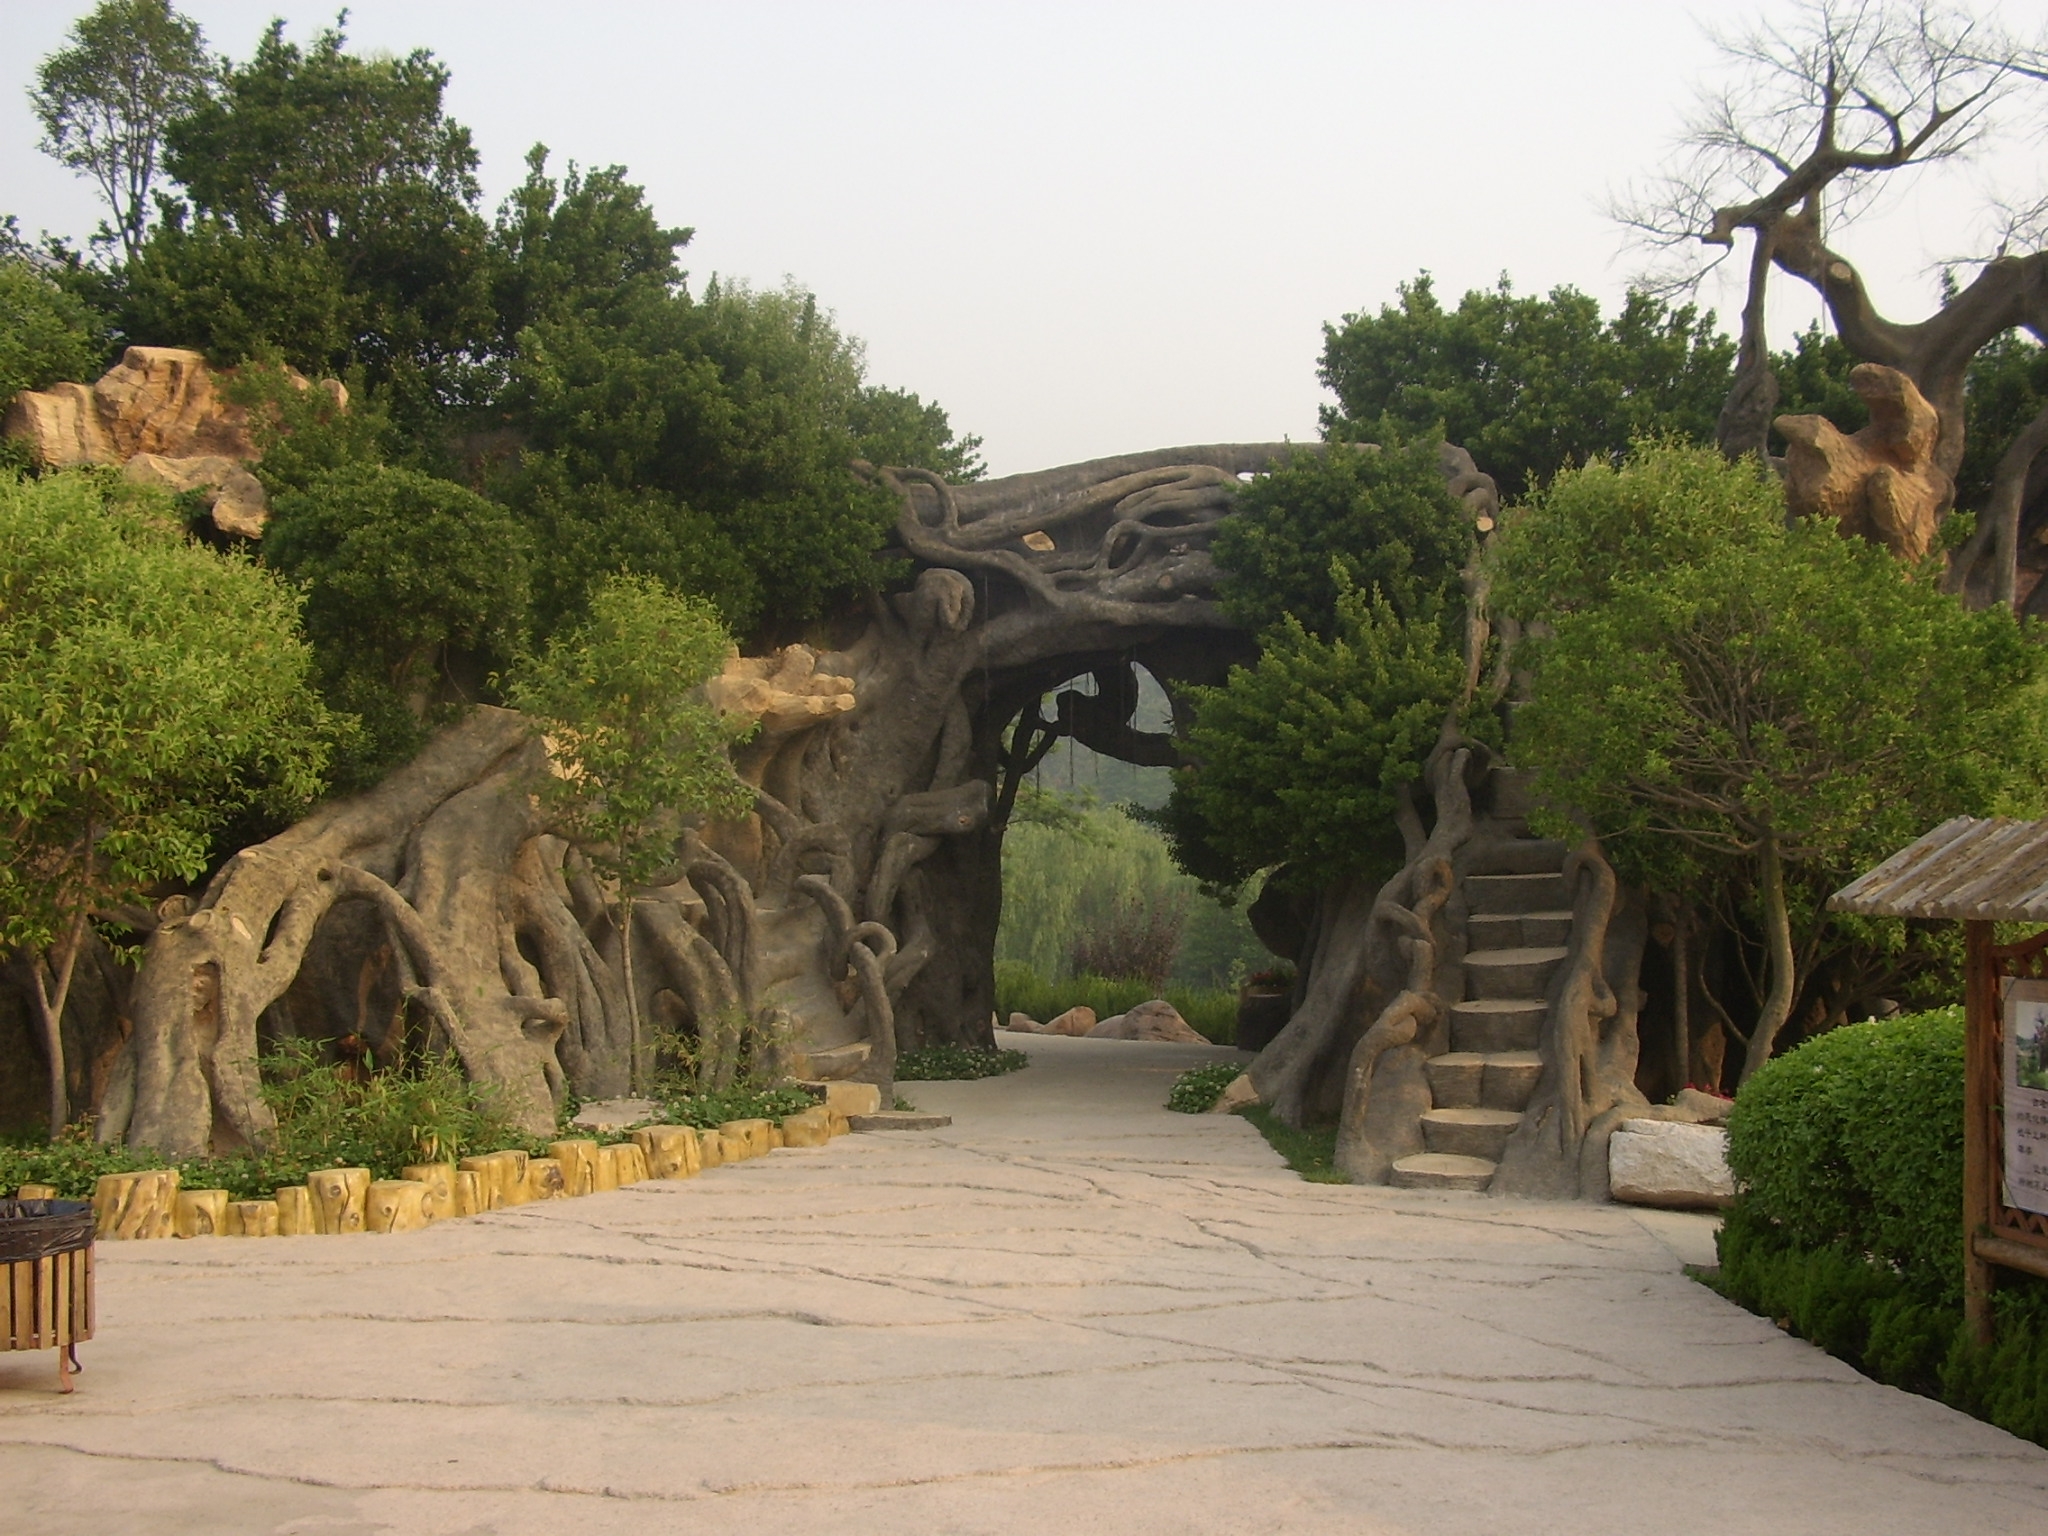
[(47, 333), (1527, 385), (1302, 757), (416, 592), (329, 218), (133, 68), (1733, 701), (635, 746), (149, 689), (1339, 520)]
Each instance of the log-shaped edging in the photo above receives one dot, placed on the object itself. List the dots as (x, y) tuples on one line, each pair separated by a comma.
[(150, 1204)]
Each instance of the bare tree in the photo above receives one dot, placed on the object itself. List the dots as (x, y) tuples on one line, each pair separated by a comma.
[(1823, 114)]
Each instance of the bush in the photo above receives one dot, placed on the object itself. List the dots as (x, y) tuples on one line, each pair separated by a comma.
[(1212, 1011), (1196, 1090), (327, 1117), (709, 1110), (1856, 1140), (1848, 1228), (953, 1063)]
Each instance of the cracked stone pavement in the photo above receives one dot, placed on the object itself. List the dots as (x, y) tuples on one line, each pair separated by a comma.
[(1071, 1311)]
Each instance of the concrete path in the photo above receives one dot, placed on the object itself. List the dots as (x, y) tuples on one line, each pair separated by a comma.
[(1070, 1312)]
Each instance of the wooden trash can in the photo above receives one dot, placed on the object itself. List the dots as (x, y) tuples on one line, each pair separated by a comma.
[(46, 1278)]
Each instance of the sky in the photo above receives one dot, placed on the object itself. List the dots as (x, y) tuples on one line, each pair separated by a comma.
[(1098, 228)]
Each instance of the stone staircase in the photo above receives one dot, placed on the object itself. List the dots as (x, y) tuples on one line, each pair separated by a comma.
[(1519, 922)]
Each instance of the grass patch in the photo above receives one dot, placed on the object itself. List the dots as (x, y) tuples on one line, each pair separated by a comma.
[(955, 1063), (1310, 1151), (1211, 1011)]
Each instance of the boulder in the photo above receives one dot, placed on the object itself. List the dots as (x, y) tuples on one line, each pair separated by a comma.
[(1236, 1096), (1703, 1107), (1668, 1163), (616, 1114), (1024, 1024), (235, 498), (160, 413), (841, 1061), (1078, 1020), (1155, 1020)]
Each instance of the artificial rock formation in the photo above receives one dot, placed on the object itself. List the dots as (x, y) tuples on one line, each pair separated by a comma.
[(1881, 483), (161, 414), (854, 912)]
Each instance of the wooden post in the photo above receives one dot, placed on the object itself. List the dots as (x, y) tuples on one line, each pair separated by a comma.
[(1980, 1095)]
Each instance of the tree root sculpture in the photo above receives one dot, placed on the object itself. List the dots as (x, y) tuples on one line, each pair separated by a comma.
[(1589, 1045), (860, 900)]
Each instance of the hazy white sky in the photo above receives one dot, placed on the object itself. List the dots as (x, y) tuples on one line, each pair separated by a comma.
[(1085, 229)]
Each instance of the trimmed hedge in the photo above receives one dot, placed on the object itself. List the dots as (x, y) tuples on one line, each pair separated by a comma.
[(1856, 1139), (1848, 1230)]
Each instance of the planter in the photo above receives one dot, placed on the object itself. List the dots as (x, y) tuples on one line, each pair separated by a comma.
[(1261, 1014)]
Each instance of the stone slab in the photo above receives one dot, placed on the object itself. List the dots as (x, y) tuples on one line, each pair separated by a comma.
[(1070, 1310), (898, 1120)]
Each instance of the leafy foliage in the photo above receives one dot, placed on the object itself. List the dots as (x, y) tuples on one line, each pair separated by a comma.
[(47, 333), (331, 190), (1855, 1139), (1529, 386), (634, 744), (149, 688), (954, 1063), (1070, 866), (1849, 1227), (1743, 707), (1300, 757), (328, 1116), (131, 69), (416, 592), (1196, 1090), (707, 1109), (1348, 519)]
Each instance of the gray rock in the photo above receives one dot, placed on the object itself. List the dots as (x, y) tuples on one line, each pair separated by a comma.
[(1706, 1108), (1155, 1020), (1669, 1164), (616, 1114), (898, 1120), (1078, 1020)]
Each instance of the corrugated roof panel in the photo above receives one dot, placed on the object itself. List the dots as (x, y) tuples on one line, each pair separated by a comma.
[(1995, 870)]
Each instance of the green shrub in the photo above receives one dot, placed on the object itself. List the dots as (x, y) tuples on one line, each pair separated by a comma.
[(711, 1109), (1212, 1011), (1848, 1228), (1855, 1140), (948, 1063), (1196, 1090)]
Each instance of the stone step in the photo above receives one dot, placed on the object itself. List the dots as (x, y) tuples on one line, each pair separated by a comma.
[(1516, 893), (1478, 1080), (1509, 790), (1521, 856), (1440, 1170), (1517, 930), (1469, 1132), (1511, 972), (1493, 1024)]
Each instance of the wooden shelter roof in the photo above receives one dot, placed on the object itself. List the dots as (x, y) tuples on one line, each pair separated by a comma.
[(1995, 870)]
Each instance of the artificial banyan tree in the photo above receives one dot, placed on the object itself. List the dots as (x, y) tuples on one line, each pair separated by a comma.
[(853, 914)]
